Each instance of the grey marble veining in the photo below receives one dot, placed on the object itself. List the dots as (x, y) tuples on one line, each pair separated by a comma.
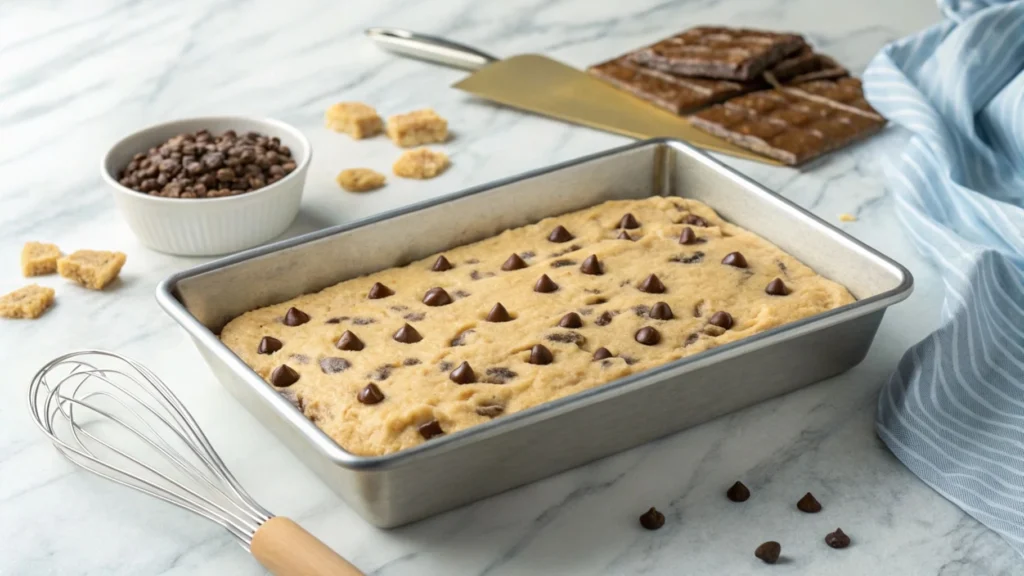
[(75, 76)]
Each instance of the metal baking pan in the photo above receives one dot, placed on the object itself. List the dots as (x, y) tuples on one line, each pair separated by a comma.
[(519, 448)]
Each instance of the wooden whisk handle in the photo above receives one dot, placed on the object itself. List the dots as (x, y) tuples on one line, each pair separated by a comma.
[(286, 549)]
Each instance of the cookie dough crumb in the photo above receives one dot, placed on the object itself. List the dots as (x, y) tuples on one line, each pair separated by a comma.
[(39, 258), (353, 118), (416, 128), (847, 218), (93, 269), (360, 179), (28, 302), (421, 163)]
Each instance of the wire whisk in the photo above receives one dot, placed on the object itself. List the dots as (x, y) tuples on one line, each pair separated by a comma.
[(117, 419)]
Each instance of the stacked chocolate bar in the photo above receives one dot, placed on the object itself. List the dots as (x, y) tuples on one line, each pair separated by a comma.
[(765, 91)]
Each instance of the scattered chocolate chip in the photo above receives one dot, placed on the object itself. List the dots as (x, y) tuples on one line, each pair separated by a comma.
[(691, 339), (410, 361), (647, 336), (349, 341), (499, 375), (472, 261), (769, 552), (284, 375), (336, 320), (459, 294), (688, 236), (294, 399), (661, 311), (623, 235), (540, 355), (300, 358), (431, 429), (441, 264), (571, 248), (652, 519), (498, 314), (414, 316), (514, 262), (362, 321), (566, 338), (602, 353), (604, 319), (562, 263), (371, 394), (837, 539), (437, 297), (334, 365), (652, 285), (378, 291), (528, 254), (629, 360), (592, 266), (721, 319), (735, 259), (545, 285), (776, 288), (694, 220), (490, 410), (585, 311), (809, 504), (444, 366), (269, 345), (629, 222), (571, 320), (460, 339), (381, 373), (738, 492), (407, 335), (698, 309), (399, 308), (476, 275), (295, 317), (695, 258), (599, 300), (782, 267), (463, 374), (560, 234)]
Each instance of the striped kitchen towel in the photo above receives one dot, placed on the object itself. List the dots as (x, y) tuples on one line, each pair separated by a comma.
[(953, 412)]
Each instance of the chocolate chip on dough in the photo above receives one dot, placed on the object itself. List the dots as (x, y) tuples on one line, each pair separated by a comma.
[(283, 376), (371, 394), (560, 234), (514, 262), (441, 264), (269, 345), (295, 317)]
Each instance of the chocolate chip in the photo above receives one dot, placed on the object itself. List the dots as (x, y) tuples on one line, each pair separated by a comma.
[(498, 314), (437, 297), (837, 539), (562, 263), (399, 308), (695, 258), (540, 355), (602, 353), (735, 259), (431, 429), (721, 319), (490, 410), (623, 235), (410, 361), (691, 339), (371, 394), (463, 374), (688, 236), (592, 266), (382, 373), (334, 365), (769, 552), (283, 376), (661, 311), (571, 248), (362, 321), (604, 319), (560, 234), (499, 375), (628, 222), (698, 309), (651, 285), (336, 320), (295, 317), (269, 345), (460, 339), (514, 262), (349, 341), (652, 519), (441, 264), (407, 335), (629, 360), (444, 366), (571, 320), (476, 275), (545, 285), (647, 336), (300, 358), (472, 261), (378, 291), (460, 294), (738, 492), (695, 220), (776, 288), (566, 338), (414, 316), (808, 504), (528, 254)]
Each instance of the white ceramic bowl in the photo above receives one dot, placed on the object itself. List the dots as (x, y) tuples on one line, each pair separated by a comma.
[(209, 226)]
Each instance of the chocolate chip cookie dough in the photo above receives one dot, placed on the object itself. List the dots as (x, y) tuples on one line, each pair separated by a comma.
[(387, 361)]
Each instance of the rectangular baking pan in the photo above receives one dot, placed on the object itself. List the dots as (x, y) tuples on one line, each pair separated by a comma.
[(519, 448)]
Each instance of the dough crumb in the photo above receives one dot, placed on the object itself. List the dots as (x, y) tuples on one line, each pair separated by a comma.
[(421, 163), (416, 128), (94, 269), (847, 218), (353, 118), (38, 258), (360, 179), (28, 302)]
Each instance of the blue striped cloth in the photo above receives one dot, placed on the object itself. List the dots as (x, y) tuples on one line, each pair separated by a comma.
[(953, 412)]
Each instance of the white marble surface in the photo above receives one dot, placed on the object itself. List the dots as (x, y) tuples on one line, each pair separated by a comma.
[(74, 76)]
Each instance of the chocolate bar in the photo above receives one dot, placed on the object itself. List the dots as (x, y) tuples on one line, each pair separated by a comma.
[(717, 52), (677, 94), (794, 124), (805, 65)]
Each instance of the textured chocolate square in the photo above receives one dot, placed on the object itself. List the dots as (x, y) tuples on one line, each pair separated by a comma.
[(718, 52), (677, 94)]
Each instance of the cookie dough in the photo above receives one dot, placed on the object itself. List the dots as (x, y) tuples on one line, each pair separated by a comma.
[(39, 258), (94, 269), (416, 128), (360, 179), (533, 314), (356, 119), (421, 164), (28, 302)]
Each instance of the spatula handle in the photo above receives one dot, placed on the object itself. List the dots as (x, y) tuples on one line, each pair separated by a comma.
[(286, 549), (430, 48)]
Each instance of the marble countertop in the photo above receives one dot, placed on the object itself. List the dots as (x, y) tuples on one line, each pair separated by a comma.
[(75, 76)]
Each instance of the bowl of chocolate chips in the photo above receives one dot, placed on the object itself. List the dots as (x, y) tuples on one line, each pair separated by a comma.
[(209, 186)]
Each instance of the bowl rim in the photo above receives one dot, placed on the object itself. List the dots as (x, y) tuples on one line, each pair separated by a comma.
[(299, 168)]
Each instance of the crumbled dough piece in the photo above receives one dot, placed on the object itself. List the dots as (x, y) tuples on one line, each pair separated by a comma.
[(354, 118), (93, 269), (28, 302), (847, 218), (360, 179), (38, 258), (421, 163), (417, 127)]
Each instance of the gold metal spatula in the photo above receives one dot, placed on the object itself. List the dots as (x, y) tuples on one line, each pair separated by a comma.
[(544, 86)]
